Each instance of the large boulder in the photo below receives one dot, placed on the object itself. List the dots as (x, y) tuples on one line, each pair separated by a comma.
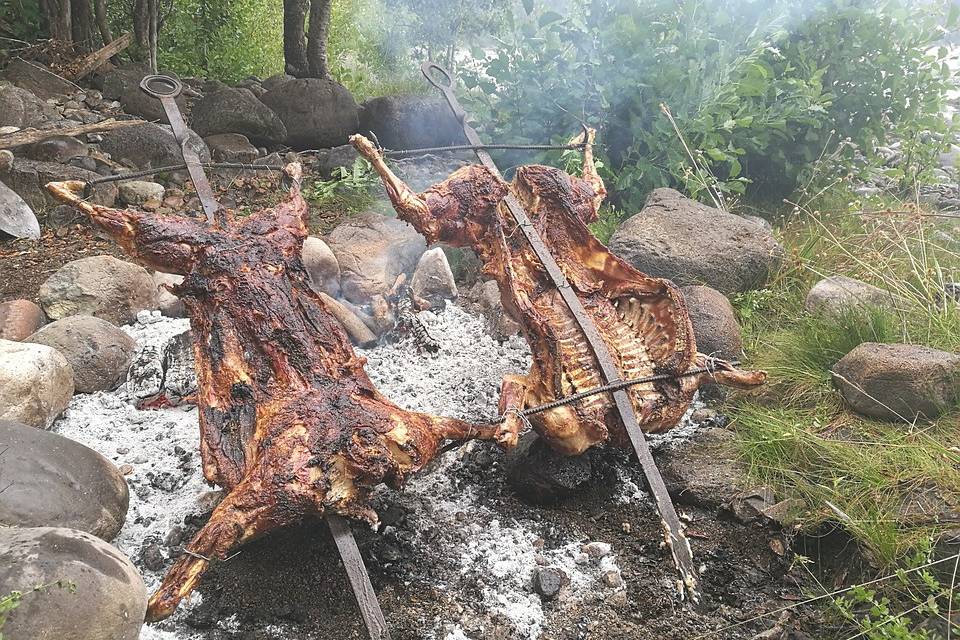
[(148, 145), (372, 250), (88, 589), (36, 383), (37, 79), (317, 113), (231, 147), (134, 101), (19, 319), (898, 381), (28, 178), (98, 351), (20, 108), (715, 324), (237, 111), (410, 122), (100, 286), (321, 265), (16, 217), (52, 481), (690, 243), (704, 471), (840, 295)]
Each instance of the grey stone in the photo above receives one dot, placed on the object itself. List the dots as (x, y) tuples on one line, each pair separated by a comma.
[(36, 383), (148, 145), (56, 149), (597, 550), (275, 81), (136, 192), (97, 350), (16, 217), (329, 160), (690, 243), (91, 590), (28, 178), (19, 108), (410, 122), (322, 266), (37, 79), (715, 324), (19, 318), (52, 481), (168, 303), (231, 147), (704, 471), (839, 295), (237, 111), (317, 113), (372, 251), (484, 298), (547, 581), (100, 286), (899, 382), (432, 279)]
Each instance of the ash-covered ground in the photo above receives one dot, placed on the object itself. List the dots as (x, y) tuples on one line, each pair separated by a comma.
[(457, 550)]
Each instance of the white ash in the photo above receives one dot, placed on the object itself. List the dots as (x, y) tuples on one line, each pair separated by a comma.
[(462, 380)]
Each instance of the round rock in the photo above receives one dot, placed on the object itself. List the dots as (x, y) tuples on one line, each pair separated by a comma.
[(148, 145), (690, 243), (136, 192), (100, 286), (547, 581), (90, 590), (36, 383), (237, 111), (433, 279), (52, 481), (322, 266), (410, 122), (19, 319), (372, 250), (231, 147), (20, 108), (898, 382), (98, 351), (715, 324), (317, 113), (57, 149), (840, 295), (168, 304)]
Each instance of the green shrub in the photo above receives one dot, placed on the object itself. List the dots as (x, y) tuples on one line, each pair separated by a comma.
[(759, 88)]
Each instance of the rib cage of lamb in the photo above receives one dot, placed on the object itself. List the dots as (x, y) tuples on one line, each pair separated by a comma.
[(290, 423), (642, 320)]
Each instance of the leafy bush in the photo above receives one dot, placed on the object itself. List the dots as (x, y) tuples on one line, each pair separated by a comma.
[(759, 88)]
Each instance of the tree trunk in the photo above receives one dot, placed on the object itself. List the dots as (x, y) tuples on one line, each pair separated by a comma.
[(154, 9), (294, 39), (100, 13), (317, 38), (82, 25), (141, 27), (58, 17)]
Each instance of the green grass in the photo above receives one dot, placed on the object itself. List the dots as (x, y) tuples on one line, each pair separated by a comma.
[(797, 436)]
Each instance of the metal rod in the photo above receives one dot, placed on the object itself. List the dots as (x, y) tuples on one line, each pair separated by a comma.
[(673, 529), (359, 578)]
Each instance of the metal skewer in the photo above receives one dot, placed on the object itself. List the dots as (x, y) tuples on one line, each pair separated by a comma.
[(166, 89), (673, 529)]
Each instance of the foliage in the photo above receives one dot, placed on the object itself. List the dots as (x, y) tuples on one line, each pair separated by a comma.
[(12, 600), (24, 18), (224, 39), (757, 87), (348, 187)]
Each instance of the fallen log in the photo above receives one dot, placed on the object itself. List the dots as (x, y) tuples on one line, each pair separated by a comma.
[(30, 136), (92, 61)]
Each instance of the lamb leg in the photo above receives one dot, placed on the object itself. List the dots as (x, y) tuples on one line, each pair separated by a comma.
[(405, 200)]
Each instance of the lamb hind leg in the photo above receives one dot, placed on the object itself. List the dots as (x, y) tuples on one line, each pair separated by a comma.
[(404, 199)]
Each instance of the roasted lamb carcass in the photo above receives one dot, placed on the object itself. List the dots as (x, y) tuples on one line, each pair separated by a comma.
[(290, 423), (642, 320)]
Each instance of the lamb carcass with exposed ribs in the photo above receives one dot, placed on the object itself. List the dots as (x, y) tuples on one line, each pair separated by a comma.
[(290, 423), (642, 320)]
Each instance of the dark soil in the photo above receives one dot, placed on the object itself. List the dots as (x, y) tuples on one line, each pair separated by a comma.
[(294, 578)]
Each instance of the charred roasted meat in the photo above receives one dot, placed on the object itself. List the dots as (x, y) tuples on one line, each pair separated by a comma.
[(642, 319), (290, 423)]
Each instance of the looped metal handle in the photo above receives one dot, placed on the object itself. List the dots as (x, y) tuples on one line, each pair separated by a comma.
[(161, 86), (429, 68)]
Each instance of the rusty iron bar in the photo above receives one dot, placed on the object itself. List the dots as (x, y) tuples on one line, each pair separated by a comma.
[(166, 89), (676, 540)]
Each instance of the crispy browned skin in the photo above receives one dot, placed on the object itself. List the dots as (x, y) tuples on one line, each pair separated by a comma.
[(290, 423), (643, 320)]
